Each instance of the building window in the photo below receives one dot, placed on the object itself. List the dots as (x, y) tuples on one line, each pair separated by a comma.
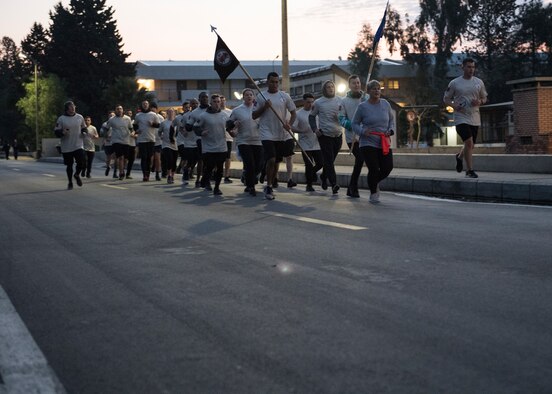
[(201, 84), (292, 92), (392, 84), (299, 90), (317, 87), (180, 86)]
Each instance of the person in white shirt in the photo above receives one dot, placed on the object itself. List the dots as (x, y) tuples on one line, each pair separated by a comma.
[(465, 94), (246, 132), (308, 141), (121, 133), (329, 131), (145, 125), (89, 146), (212, 128), (167, 131), (273, 128), (70, 129), (229, 141)]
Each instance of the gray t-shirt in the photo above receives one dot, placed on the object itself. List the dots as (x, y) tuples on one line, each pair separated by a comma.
[(165, 132), (88, 141), (349, 106), (270, 127), (462, 91), (71, 126), (307, 138), (215, 125), (328, 110), (248, 129), (121, 128), (146, 132), (373, 117)]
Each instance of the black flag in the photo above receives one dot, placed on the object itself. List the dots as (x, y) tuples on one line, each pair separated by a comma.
[(225, 61)]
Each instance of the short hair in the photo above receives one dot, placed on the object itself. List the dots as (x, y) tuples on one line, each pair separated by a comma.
[(271, 75), (467, 60), (351, 77), (87, 117), (373, 83), (214, 96), (202, 94), (153, 105), (248, 90), (308, 95), (186, 103)]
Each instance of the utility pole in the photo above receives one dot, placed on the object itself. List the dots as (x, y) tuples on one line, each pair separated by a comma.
[(38, 150), (285, 55)]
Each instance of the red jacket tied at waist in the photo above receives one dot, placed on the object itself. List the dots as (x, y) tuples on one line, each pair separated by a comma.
[(384, 141)]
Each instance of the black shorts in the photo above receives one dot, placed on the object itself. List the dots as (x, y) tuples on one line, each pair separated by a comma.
[(276, 149), (108, 149), (190, 155), (77, 156), (199, 152), (157, 148), (466, 131), (120, 150), (289, 147), (228, 149)]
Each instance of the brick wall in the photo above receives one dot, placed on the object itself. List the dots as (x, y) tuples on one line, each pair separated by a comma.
[(532, 119)]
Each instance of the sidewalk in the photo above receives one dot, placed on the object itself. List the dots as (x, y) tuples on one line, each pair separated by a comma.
[(522, 188)]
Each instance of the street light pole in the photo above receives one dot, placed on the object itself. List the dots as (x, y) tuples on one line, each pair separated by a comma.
[(273, 60), (285, 54), (38, 150)]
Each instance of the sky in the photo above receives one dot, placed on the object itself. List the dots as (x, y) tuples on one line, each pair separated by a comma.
[(180, 29)]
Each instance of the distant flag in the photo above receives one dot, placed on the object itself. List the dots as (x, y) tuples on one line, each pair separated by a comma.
[(225, 61), (379, 33)]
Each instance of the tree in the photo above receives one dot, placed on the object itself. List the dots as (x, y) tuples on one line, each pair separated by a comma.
[(360, 56), (11, 74), (447, 20), (534, 38), (124, 91), (34, 45), (86, 51), (490, 32), (51, 96)]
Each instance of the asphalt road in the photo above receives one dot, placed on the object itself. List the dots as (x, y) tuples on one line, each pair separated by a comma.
[(129, 287)]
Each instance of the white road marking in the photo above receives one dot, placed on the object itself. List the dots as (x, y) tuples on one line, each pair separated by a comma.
[(16, 169), (24, 367), (114, 187), (50, 175), (317, 221)]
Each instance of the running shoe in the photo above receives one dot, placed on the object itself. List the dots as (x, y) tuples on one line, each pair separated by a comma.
[(70, 186), (291, 184), (268, 193), (227, 180), (335, 189), (107, 171), (459, 164), (471, 174), (353, 192), (309, 188), (374, 198), (78, 180), (217, 192)]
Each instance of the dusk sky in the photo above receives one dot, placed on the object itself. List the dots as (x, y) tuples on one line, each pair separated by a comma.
[(179, 30)]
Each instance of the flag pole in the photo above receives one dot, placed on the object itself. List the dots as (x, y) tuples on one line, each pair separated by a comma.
[(214, 29), (377, 38)]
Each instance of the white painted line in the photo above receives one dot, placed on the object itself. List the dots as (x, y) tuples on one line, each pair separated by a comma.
[(49, 175), (24, 367), (114, 187), (317, 221), (16, 169)]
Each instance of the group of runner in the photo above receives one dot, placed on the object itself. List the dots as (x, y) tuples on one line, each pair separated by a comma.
[(262, 128)]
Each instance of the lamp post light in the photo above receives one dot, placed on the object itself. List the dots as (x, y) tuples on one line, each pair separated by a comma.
[(273, 60), (38, 150)]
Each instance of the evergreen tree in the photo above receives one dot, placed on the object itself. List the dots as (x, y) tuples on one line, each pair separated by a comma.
[(534, 37), (34, 45), (11, 74), (86, 51)]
